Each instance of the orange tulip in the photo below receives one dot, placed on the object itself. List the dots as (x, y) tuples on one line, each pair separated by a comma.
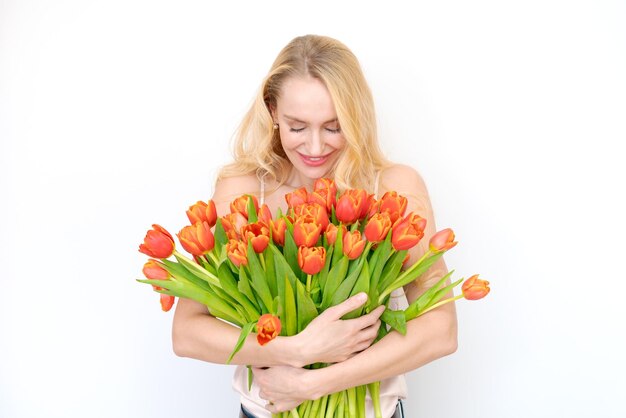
[(442, 241), (278, 227), (407, 232), (258, 234), (240, 205), (297, 197), (167, 301), (311, 260), (331, 233), (475, 288), (306, 231), (324, 193), (353, 244), (352, 205), (316, 211), (158, 243), (378, 227), (237, 252), (202, 212), (197, 239), (325, 184), (393, 204), (265, 215), (232, 224), (268, 328), (154, 270)]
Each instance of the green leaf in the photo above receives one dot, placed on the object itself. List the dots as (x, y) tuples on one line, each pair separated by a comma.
[(245, 331), (362, 285), (415, 271), (395, 319), (335, 277), (244, 287), (196, 269), (290, 318), (270, 271), (291, 253), (391, 270), (338, 251), (182, 274), (323, 274), (257, 275), (306, 308), (345, 288), (229, 284), (251, 209), (220, 235)]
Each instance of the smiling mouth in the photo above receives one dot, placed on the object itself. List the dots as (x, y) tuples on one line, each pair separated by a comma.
[(314, 161)]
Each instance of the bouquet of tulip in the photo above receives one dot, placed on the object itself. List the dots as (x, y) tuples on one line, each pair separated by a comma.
[(274, 274)]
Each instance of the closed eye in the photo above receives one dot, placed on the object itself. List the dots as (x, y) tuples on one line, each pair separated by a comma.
[(333, 131), (296, 130)]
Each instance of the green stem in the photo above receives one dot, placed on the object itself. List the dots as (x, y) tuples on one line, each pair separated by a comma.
[(401, 277), (375, 395), (441, 302), (213, 257), (262, 258), (308, 283)]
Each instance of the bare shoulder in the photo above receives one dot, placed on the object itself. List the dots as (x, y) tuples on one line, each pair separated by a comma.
[(403, 179), (228, 189)]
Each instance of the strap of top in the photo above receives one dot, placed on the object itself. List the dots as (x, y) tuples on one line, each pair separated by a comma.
[(376, 181), (262, 193)]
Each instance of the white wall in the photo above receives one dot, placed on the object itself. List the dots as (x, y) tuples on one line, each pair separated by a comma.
[(116, 114)]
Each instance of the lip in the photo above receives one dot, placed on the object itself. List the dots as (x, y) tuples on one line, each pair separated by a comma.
[(314, 161)]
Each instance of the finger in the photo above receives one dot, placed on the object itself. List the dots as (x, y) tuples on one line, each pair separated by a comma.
[(346, 306), (369, 319)]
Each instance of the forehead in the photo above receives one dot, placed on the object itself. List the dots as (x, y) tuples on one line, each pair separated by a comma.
[(306, 99)]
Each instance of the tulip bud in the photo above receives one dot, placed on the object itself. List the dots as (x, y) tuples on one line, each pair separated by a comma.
[(442, 241), (377, 227), (257, 233), (297, 197), (311, 260), (306, 231), (232, 224), (353, 244), (324, 193), (475, 288), (197, 239), (407, 232), (158, 243), (167, 301), (314, 210), (154, 270), (331, 233), (393, 204), (278, 227), (237, 252), (352, 205), (240, 205), (265, 215), (202, 212), (268, 328)]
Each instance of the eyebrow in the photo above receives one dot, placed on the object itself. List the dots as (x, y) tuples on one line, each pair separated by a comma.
[(294, 119)]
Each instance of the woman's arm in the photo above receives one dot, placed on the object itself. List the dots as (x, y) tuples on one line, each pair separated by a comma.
[(428, 337), (197, 334)]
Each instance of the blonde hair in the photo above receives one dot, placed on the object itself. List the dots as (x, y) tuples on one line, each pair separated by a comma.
[(257, 146)]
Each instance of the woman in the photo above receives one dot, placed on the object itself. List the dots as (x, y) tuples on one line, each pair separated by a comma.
[(314, 117)]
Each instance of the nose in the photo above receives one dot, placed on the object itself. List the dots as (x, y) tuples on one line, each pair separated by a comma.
[(315, 144)]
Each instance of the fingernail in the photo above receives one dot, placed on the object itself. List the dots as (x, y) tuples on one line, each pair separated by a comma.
[(361, 297)]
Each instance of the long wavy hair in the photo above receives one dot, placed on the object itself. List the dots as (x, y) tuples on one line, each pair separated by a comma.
[(257, 146)]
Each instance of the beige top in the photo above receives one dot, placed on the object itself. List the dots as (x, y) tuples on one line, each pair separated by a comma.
[(391, 389)]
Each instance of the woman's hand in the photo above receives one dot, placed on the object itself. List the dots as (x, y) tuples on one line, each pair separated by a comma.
[(283, 387), (330, 339)]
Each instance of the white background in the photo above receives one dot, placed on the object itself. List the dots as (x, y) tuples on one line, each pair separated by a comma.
[(117, 114)]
